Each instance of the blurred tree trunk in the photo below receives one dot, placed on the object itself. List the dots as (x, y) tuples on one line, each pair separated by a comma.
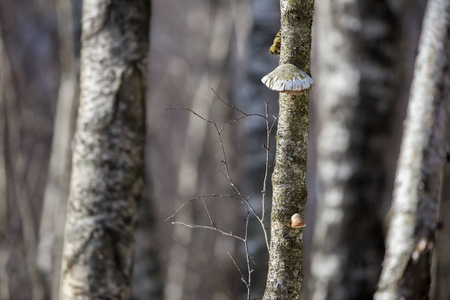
[(148, 282), (356, 87), (211, 42), (5, 90), (440, 276), (51, 231), (414, 217), (285, 274), (108, 157), (31, 78)]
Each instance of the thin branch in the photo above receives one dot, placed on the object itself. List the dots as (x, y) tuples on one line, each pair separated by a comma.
[(247, 255), (230, 234), (196, 198), (239, 269), (227, 174), (237, 109), (266, 173), (209, 215), (190, 110)]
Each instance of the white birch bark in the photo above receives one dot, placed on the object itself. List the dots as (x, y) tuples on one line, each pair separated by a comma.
[(355, 96), (108, 157)]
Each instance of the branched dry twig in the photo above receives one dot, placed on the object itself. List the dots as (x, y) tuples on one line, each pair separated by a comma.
[(238, 110), (237, 193)]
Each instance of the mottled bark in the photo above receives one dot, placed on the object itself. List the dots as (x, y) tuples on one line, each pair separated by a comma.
[(108, 164), (355, 95), (289, 186), (411, 236)]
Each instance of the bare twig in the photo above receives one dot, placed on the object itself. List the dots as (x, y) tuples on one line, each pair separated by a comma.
[(239, 269), (266, 173), (247, 255), (236, 191), (196, 198), (237, 109), (230, 234), (209, 215)]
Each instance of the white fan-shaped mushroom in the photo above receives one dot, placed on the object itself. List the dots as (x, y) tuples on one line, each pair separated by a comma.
[(287, 78)]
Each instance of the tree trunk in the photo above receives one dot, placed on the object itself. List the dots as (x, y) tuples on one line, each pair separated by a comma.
[(5, 91), (355, 95), (440, 276), (410, 241), (53, 216), (148, 282), (289, 186), (108, 165)]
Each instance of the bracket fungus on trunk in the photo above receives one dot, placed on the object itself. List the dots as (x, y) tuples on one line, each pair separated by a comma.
[(297, 221), (287, 78)]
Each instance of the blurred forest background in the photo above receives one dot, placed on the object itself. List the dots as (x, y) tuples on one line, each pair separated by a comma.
[(196, 46)]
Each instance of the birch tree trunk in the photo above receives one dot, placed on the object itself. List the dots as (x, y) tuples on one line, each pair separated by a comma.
[(108, 163), (411, 236), (355, 95), (289, 186)]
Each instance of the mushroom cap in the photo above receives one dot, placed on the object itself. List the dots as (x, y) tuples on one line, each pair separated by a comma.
[(287, 78), (297, 221)]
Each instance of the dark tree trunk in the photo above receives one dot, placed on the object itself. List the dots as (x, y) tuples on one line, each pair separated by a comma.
[(414, 217)]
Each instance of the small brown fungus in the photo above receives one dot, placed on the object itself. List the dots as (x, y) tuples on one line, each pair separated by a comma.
[(297, 221)]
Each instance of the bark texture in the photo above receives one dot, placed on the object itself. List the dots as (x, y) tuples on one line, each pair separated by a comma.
[(410, 241), (289, 186), (355, 94), (108, 164)]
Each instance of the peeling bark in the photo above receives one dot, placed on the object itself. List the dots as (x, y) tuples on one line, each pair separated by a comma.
[(355, 95), (411, 236), (108, 166), (289, 186)]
